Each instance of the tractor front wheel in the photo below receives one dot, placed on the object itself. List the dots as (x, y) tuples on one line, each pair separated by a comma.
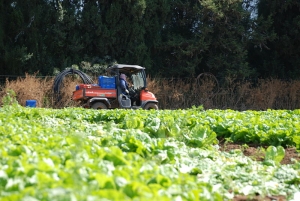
[(151, 106), (98, 106)]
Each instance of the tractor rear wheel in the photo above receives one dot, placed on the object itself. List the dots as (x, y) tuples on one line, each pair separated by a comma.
[(151, 106), (98, 106)]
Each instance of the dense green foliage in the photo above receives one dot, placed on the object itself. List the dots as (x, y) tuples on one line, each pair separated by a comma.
[(170, 37), (281, 21), (81, 154)]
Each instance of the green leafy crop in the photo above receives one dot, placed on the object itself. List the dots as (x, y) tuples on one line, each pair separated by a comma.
[(80, 154)]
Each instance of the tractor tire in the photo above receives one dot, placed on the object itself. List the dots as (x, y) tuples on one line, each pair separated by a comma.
[(99, 106), (151, 106)]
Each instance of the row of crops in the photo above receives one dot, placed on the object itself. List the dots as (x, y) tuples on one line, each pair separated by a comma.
[(80, 154)]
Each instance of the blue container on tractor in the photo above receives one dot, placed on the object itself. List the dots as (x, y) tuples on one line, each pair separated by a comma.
[(30, 103), (107, 82)]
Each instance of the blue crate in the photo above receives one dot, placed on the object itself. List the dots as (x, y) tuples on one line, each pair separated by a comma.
[(30, 103), (107, 82)]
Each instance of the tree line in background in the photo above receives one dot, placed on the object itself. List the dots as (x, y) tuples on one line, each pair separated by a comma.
[(171, 38)]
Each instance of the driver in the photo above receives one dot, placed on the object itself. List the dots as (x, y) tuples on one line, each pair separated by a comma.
[(124, 84), (125, 89)]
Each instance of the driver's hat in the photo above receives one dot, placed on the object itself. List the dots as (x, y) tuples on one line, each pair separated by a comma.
[(123, 76)]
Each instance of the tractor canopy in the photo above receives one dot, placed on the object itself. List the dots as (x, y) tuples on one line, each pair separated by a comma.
[(124, 68), (134, 72)]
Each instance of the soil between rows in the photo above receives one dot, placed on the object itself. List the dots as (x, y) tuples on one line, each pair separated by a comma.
[(256, 152)]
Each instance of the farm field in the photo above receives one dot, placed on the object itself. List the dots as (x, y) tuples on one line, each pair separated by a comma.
[(192, 154)]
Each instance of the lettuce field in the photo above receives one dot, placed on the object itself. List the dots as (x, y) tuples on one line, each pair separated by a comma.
[(79, 154)]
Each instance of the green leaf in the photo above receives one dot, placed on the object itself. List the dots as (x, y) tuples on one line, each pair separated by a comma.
[(105, 182), (201, 136), (296, 140), (137, 189), (116, 156), (133, 122), (275, 154)]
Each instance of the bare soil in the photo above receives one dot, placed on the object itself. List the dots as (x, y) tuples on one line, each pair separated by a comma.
[(256, 152)]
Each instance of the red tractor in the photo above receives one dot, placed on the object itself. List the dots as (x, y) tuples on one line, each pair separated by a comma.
[(107, 93)]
